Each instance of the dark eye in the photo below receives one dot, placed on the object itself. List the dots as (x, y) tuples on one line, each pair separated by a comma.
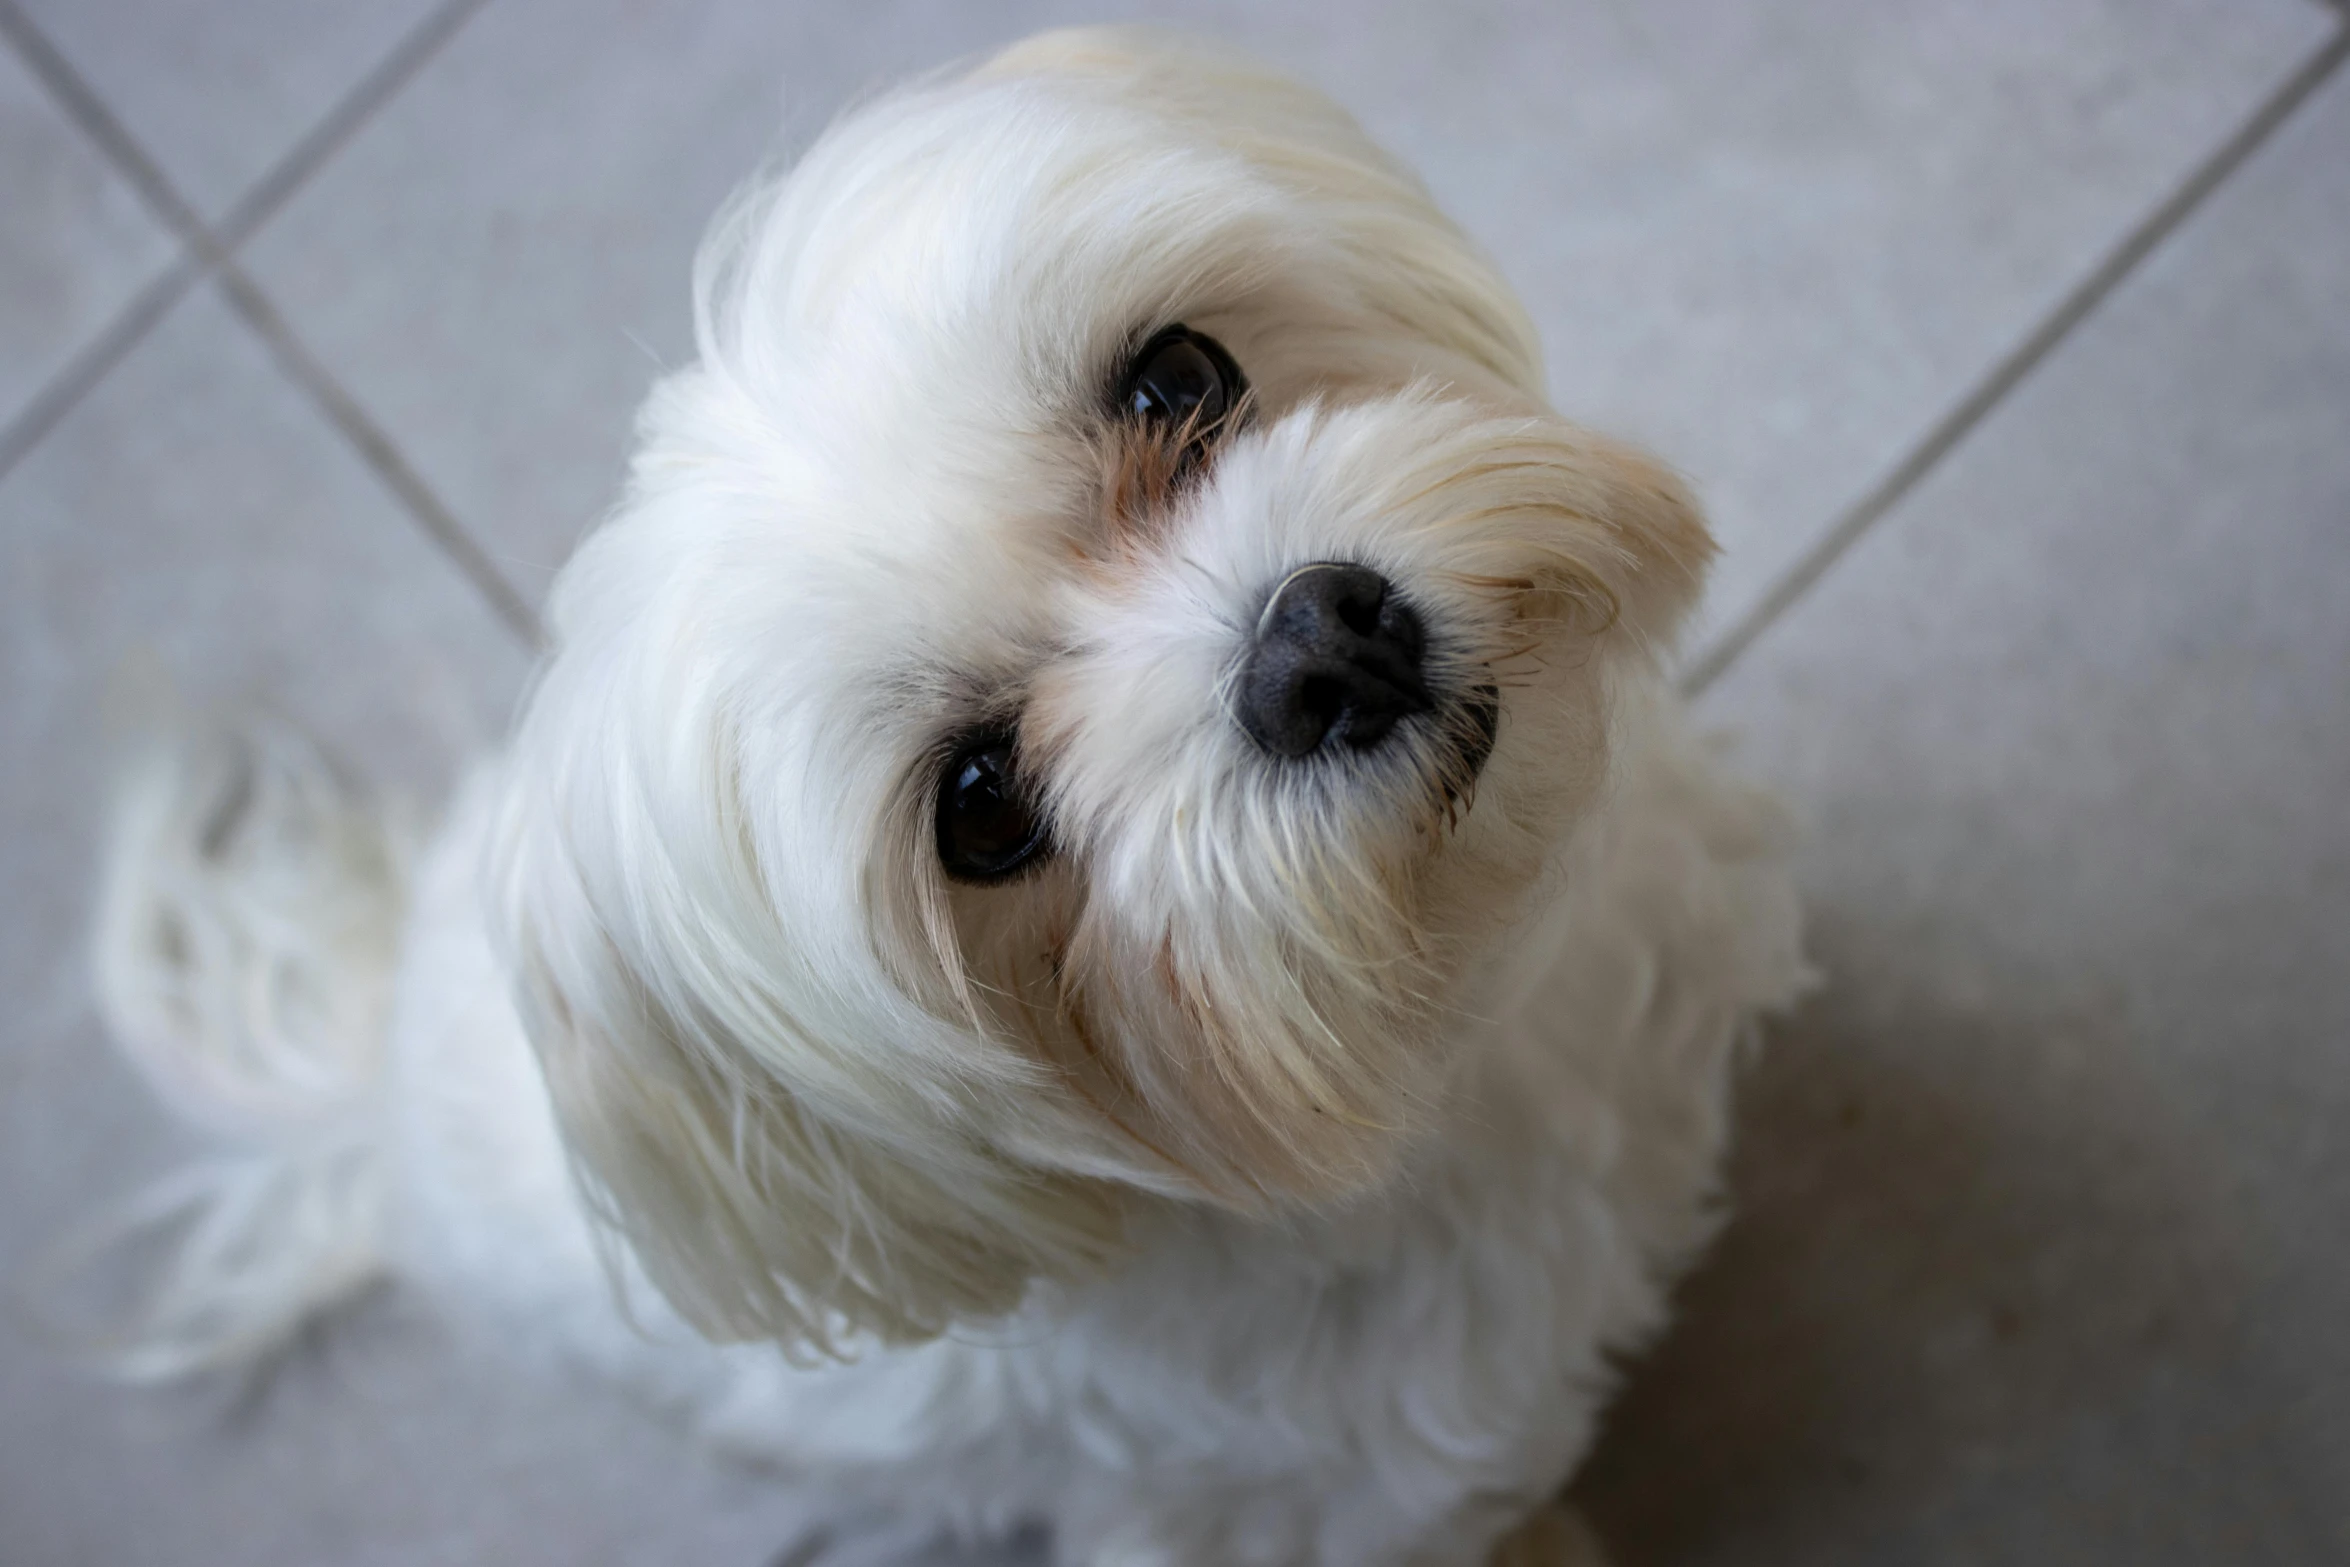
[(986, 827), (1181, 379)]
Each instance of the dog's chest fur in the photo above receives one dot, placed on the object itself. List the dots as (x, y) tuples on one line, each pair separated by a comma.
[(1418, 1367)]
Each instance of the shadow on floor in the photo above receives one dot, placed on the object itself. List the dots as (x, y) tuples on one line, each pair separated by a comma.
[(1980, 1293)]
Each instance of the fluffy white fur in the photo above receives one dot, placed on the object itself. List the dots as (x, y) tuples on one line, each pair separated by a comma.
[(1268, 1178)]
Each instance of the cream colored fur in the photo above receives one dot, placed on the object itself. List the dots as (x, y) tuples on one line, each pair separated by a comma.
[(1271, 1176)]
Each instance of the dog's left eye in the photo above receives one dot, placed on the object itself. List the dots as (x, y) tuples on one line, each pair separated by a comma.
[(987, 829), (1181, 380)]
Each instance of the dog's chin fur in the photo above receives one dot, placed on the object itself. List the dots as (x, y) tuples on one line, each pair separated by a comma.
[(1265, 1175)]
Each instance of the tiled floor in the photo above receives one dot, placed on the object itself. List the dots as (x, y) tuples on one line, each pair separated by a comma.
[(2011, 344)]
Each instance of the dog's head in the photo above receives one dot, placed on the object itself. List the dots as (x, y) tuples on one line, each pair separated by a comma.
[(1105, 635)]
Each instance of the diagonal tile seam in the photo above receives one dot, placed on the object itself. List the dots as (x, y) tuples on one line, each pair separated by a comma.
[(2009, 372), (208, 252), (257, 206)]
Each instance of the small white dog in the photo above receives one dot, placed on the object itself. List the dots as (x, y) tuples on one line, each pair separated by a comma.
[(1100, 911)]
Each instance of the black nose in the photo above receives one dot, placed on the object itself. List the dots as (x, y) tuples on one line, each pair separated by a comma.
[(1337, 653)]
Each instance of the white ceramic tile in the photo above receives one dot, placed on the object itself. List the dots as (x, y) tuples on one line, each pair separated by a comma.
[(195, 511), (1776, 241), (2042, 1198), (217, 91), (75, 244)]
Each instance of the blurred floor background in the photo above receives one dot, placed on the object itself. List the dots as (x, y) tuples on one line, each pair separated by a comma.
[(2010, 343)]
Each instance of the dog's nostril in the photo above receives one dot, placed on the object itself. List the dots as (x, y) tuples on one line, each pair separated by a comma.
[(1321, 699), (1359, 612), (1337, 653)]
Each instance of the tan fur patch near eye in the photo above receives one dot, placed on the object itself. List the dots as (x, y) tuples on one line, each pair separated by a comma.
[(1145, 470)]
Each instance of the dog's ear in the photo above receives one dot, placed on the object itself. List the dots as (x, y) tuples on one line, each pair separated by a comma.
[(778, 1173), (1640, 543)]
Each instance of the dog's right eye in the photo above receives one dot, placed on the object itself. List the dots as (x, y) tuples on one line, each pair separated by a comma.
[(987, 828)]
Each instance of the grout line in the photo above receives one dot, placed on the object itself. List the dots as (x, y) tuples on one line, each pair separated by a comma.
[(344, 120), (84, 107), (2003, 377), (65, 389), (209, 253), (376, 447)]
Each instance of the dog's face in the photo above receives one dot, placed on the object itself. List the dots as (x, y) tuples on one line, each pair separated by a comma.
[(1102, 641)]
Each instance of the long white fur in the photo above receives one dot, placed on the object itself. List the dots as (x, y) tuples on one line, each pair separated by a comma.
[(1270, 1177)]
